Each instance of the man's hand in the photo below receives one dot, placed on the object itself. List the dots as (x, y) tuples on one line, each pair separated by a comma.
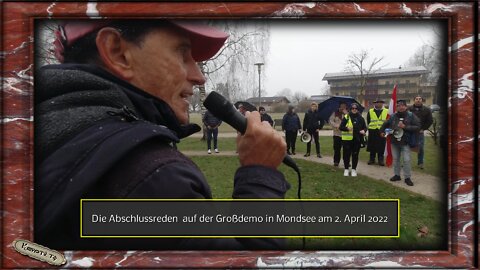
[(261, 144), (382, 135)]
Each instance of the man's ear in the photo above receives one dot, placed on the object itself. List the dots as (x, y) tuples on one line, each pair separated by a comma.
[(114, 53)]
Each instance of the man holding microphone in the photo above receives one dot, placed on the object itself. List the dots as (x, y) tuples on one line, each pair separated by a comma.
[(107, 121)]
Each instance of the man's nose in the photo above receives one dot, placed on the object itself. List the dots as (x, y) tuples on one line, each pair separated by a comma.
[(194, 74)]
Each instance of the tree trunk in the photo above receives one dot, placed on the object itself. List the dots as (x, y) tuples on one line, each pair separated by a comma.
[(203, 94)]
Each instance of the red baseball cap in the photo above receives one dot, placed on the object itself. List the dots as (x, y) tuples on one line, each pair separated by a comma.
[(206, 40)]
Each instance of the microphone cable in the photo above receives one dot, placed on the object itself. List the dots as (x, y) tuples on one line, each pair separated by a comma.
[(221, 108), (292, 164)]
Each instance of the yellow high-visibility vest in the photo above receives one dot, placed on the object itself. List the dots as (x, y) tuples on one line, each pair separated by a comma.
[(348, 135), (375, 122)]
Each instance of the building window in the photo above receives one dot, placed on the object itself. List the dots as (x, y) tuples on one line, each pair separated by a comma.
[(407, 81), (386, 92), (387, 83), (419, 91)]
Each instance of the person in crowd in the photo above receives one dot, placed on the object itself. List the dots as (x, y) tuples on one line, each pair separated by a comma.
[(424, 114), (242, 109), (376, 144), (312, 124), (353, 129), (264, 116), (335, 120), (291, 125), (405, 123), (107, 119), (211, 123)]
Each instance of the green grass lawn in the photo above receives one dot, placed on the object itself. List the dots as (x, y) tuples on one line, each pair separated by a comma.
[(433, 153), (324, 181), (327, 182)]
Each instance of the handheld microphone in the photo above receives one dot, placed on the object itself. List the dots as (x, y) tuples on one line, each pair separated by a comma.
[(221, 108)]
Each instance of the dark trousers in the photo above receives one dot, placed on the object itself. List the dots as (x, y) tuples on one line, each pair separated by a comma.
[(380, 156), (314, 138), (350, 149), (212, 133), (291, 138), (337, 147)]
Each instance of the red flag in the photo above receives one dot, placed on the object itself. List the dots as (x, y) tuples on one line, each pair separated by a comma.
[(392, 108)]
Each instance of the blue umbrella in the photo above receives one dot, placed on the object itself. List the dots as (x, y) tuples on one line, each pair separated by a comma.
[(326, 108)]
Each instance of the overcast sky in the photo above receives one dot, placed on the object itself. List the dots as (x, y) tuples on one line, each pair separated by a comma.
[(301, 52)]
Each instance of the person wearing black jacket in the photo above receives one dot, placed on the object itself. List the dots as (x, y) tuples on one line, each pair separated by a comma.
[(211, 123), (291, 125), (376, 143), (424, 114), (312, 123), (107, 121), (409, 125), (353, 129), (264, 116)]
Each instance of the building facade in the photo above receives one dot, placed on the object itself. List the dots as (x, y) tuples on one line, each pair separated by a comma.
[(410, 82), (269, 102)]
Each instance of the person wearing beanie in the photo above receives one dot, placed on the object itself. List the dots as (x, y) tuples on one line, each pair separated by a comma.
[(406, 124), (312, 123), (211, 123), (353, 129), (335, 120), (291, 125)]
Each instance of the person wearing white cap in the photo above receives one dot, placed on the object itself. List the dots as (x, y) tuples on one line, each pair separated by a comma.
[(107, 120)]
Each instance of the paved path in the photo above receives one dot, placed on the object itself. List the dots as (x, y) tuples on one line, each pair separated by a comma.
[(234, 134), (425, 184)]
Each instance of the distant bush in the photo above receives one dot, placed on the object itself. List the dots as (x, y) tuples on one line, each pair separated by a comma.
[(303, 106), (279, 107)]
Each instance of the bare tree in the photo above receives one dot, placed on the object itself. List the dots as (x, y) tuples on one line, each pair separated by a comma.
[(361, 65), (234, 63), (45, 51), (429, 57), (231, 70), (298, 96), (195, 101), (286, 92), (325, 89)]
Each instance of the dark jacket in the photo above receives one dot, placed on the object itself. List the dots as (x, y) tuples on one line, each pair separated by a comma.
[(266, 117), (100, 137), (291, 122), (358, 123), (210, 120), (376, 143), (409, 119), (424, 114), (312, 121)]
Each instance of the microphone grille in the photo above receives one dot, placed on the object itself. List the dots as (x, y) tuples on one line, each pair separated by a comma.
[(216, 103)]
